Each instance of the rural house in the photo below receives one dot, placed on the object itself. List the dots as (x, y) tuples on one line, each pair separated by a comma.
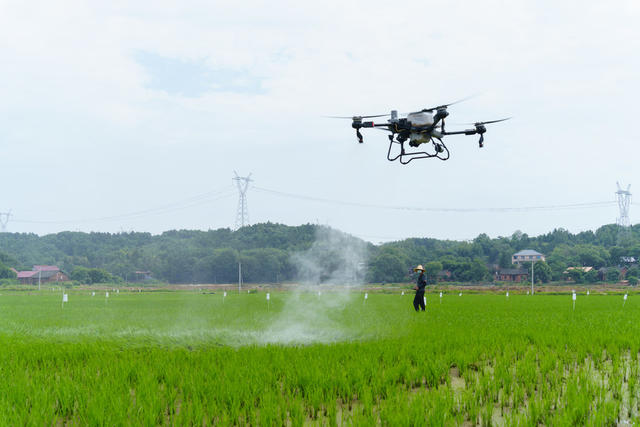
[(512, 275), (526, 255), (42, 274)]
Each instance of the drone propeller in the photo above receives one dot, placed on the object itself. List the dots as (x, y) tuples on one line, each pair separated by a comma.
[(480, 129), (445, 106), (489, 122), (480, 123), (357, 117)]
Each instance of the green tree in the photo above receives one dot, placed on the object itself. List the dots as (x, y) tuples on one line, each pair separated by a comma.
[(613, 275), (633, 271), (542, 272), (81, 274), (389, 265), (591, 276), (6, 272), (576, 275), (432, 270)]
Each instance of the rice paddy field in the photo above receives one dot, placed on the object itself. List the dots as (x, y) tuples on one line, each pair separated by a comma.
[(176, 358)]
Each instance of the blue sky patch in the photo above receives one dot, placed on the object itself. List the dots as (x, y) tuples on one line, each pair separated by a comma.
[(193, 78)]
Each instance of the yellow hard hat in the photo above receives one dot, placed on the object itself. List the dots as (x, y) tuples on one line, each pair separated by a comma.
[(420, 267)]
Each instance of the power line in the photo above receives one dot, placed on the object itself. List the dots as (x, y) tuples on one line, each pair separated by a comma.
[(182, 204), (587, 205)]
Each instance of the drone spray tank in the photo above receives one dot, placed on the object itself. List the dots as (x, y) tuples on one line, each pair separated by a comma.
[(420, 120)]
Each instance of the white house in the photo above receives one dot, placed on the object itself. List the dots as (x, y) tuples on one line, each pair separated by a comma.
[(526, 255)]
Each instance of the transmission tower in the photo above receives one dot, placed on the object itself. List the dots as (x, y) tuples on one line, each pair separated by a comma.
[(624, 201), (4, 220), (242, 216)]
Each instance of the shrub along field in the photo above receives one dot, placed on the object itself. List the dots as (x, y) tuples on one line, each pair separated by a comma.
[(193, 358)]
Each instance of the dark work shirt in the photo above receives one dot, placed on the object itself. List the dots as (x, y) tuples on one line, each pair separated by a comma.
[(421, 282)]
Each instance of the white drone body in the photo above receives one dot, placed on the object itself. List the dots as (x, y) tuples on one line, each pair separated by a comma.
[(421, 120)]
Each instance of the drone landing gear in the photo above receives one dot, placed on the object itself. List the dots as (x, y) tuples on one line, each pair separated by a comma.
[(440, 152)]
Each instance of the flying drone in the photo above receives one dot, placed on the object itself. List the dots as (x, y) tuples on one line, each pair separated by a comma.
[(418, 129)]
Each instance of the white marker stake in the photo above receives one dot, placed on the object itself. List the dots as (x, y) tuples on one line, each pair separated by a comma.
[(460, 294), (402, 294), (573, 297), (117, 291), (65, 298), (365, 298), (106, 297), (507, 294), (440, 297), (268, 298), (587, 292), (93, 294), (319, 293), (425, 301), (624, 299), (527, 292), (224, 295)]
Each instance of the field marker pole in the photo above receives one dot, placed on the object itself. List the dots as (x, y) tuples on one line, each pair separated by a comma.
[(624, 299), (573, 297), (268, 301), (532, 278)]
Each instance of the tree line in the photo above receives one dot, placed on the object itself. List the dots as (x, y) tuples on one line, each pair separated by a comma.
[(269, 253)]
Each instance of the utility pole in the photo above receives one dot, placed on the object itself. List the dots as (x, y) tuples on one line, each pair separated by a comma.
[(532, 279), (242, 215), (624, 201), (4, 219)]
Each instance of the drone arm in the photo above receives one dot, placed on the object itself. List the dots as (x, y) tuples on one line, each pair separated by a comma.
[(357, 125), (462, 132), (478, 130)]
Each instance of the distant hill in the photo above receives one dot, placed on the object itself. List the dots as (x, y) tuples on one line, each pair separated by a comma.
[(274, 253)]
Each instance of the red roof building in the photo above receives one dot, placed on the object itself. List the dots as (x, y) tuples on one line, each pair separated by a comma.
[(42, 274)]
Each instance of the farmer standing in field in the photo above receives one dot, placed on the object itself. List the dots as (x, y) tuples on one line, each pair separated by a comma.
[(418, 301)]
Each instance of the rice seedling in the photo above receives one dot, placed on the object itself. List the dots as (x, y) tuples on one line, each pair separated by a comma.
[(190, 358)]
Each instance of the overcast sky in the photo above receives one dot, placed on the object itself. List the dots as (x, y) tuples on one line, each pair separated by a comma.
[(120, 116)]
